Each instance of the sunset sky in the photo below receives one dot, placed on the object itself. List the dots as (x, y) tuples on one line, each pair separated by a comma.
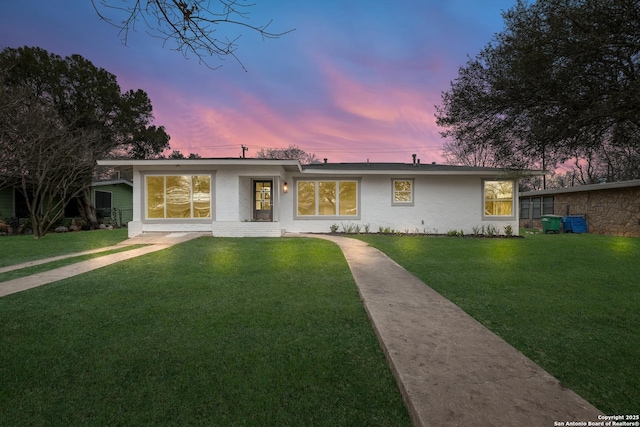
[(356, 80)]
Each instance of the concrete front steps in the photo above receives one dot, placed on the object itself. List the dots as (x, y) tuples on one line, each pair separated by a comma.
[(246, 229)]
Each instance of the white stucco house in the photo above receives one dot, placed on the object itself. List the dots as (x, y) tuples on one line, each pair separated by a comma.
[(255, 197)]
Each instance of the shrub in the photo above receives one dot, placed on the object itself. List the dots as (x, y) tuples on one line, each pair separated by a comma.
[(508, 230)]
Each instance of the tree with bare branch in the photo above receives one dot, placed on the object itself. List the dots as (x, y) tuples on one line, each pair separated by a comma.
[(292, 152), (42, 156), (57, 117), (202, 28)]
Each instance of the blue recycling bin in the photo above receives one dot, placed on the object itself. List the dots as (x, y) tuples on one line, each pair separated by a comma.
[(574, 224)]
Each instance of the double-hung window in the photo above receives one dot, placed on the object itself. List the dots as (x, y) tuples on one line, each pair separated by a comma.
[(402, 192), (178, 196), (327, 198), (498, 198)]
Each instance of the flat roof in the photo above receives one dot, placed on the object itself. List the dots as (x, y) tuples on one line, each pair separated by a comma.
[(330, 168), (291, 165), (419, 168), (578, 188)]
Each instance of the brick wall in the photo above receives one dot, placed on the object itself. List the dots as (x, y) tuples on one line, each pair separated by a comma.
[(613, 211)]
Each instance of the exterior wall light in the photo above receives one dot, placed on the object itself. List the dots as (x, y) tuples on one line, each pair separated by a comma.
[(285, 188)]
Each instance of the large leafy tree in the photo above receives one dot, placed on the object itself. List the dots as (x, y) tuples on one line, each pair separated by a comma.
[(561, 82), (60, 115)]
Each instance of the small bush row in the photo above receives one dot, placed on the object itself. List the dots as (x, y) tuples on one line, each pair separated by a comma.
[(484, 230)]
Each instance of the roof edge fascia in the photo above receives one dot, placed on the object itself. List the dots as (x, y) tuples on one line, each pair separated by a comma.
[(199, 162)]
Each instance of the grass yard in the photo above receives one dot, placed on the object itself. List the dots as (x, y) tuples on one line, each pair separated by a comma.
[(27, 271), (19, 249), (242, 332), (570, 302)]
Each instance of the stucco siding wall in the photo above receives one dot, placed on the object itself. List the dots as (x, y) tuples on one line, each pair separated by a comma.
[(231, 188), (227, 197), (441, 204)]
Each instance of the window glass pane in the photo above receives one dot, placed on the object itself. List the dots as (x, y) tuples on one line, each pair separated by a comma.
[(348, 198), (547, 205), (536, 207), (498, 198), (524, 208), (155, 197), (201, 196), (306, 198), (326, 198), (103, 200), (402, 191), (178, 196)]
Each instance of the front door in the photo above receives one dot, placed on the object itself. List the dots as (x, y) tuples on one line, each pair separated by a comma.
[(263, 201)]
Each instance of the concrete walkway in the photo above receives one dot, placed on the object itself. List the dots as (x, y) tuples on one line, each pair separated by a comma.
[(154, 241), (451, 370)]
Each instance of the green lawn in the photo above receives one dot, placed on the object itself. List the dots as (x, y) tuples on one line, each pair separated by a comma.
[(19, 249), (27, 271), (242, 332), (570, 302), (272, 332)]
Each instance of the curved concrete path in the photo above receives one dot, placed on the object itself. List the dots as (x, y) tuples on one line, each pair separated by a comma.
[(154, 241), (451, 370)]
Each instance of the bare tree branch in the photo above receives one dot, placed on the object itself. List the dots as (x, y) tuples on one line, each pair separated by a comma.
[(44, 157), (195, 27)]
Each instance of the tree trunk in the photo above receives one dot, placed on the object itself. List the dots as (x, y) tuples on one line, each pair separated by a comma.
[(37, 226), (87, 210)]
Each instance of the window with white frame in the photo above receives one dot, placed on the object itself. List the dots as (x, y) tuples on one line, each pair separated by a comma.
[(498, 198), (178, 196), (402, 192), (327, 198)]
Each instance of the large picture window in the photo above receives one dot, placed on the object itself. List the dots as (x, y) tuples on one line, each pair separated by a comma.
[(178, 196), (320, 198), (498, 198)]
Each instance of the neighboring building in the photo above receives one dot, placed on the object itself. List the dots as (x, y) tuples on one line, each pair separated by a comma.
[(255, 197), (610, 208), (12, 204), (112, 198), (6, 203)]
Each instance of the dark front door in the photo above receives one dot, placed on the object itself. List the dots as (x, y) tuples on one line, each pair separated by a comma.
[(263, 200)]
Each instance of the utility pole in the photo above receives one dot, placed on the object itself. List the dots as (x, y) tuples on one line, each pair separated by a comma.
[(244, 149)]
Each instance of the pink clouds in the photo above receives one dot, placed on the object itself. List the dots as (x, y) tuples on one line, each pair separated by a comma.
[(351, 121), (356, 80)]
